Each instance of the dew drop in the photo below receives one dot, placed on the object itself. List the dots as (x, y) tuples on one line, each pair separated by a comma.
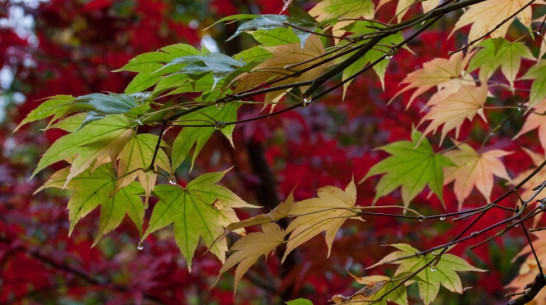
[(139, 122), (519, 109), (388, 57), (537, 32), (219, 125), (432, 268), (172, 180), (442, 218), (388, 300), (516, 225), (306, 101), (140, 246), (220, 105)]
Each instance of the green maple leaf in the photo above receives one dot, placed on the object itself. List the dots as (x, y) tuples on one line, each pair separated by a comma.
[(538, 88), (410, 167), (57, 106), (202, 209), (96, 140), (150, 66), (197, 137), (96, 188), (365, 27), (499, 52), (135, 159), (442, 271)]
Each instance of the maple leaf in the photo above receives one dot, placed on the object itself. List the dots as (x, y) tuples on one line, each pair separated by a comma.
[(93, 188), (474, 169), (342, 9), (442, 271), (197, 137), (247, 250), (325, 213), (529, 269), (365, 27), (275, 67), (280, 211), (433, 73), (499, 52), (94, 141), (135, 159), (526, 190), (57, 106), (332, 9), (487, 15), (452, 110), (411, 168), (375, 287), (202, 209), (536, 121), (538, 88)]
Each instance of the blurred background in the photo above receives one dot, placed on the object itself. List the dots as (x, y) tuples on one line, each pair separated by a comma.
[(50, 47)]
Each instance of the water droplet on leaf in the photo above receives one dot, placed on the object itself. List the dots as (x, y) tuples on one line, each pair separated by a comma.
[(172, 180), (442, 218), (219, 125), (140, 246), (432, 268), (306, 101)]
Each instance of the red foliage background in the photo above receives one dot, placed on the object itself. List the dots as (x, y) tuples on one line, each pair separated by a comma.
[(72, 49)]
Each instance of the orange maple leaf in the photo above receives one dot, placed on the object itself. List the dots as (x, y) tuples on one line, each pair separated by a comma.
[(434, 73), (474, 169), (453, 109)]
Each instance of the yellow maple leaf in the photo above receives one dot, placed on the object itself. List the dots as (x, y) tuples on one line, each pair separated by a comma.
[(474, 169), (248, 249), (325, 213), (454, 108), (487, 15), (434, 73), (536, 121), (275, 67)]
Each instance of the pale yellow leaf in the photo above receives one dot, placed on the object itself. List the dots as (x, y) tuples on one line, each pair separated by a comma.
[(327, 213), (247, 250), (275, 67), (485, 16)]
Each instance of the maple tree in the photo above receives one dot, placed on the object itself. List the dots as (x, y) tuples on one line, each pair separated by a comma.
[(139, 147)]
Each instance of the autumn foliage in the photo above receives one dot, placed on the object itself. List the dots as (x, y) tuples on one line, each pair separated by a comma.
[(269, 156)]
